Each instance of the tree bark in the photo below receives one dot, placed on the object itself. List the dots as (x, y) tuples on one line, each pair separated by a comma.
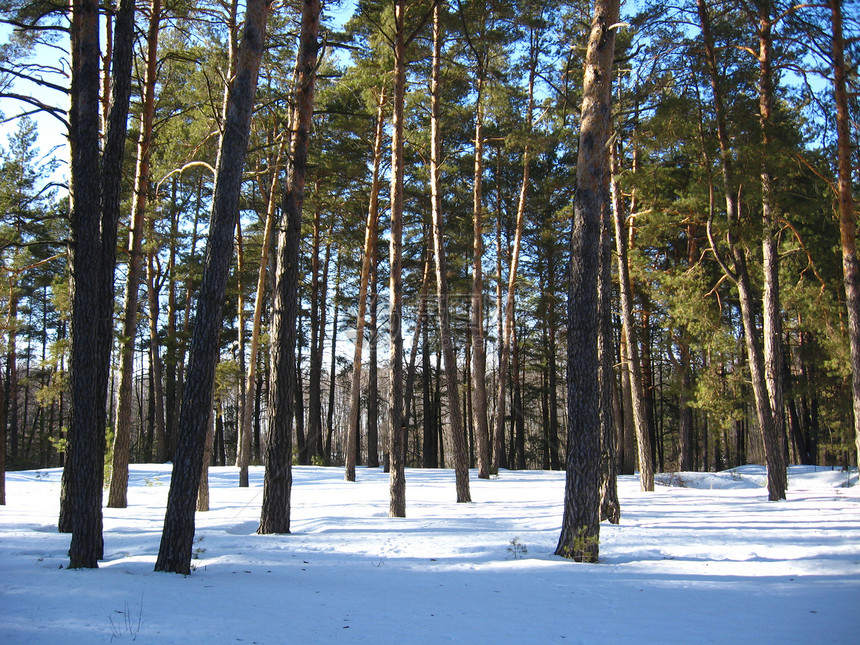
[(317, 324), (504, 355), (175, 551), (203, 491), (772, 312), (243, 453), (117, 495), (631, 343), (479, 350), (332, 367), (847, 224), (369, 252), (610, 507), (457, 438), (95, 192), (277, 485), (397, 479), (372, 368), (152, 292), (581, 522), (739, 275)]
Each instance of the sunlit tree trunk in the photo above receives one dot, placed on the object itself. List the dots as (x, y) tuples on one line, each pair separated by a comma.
[(504, 354), (581, 521), (772, 312), (153, 302), (455, 419), (397, 483), (243, 453), (631, 360), (739, 275), (368, 254), (117, 497), (479, 353)]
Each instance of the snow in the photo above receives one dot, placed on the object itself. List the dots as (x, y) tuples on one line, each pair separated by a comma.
[(706, 559)]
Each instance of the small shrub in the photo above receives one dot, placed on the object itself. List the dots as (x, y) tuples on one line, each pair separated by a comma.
[(129, 624), (517, 549)]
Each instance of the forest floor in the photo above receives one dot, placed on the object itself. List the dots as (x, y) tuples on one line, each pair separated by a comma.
[(703, 559)]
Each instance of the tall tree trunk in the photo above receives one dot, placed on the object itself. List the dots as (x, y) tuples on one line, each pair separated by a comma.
[(430, 452), (277, 485), (332, 367), (152, 291), (173, 435), (95, 192), (203, 491), (243, 453), (317, 324), (369, 252), (739, 275), (686, 458), (11, 390), (847, 224), (409, 403), (504, 354), (631, 343), (479, 352), (519, 443), (772, 312), (498, 438), (610, 508), (3, 450), (372, 369), (117, 497), (243, 439), (298, 415), (581, 522), (457, 437), (171, 341), (175, 551), (397, 479), (552, 376)]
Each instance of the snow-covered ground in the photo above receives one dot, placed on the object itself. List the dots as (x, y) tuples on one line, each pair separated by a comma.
[(703, 559)]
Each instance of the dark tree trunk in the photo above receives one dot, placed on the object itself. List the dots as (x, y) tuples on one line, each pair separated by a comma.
[(610, 508), (3, 451), (298, 415), (177, 537), (686, 459), (277, 486), (581, 522), (519, 442), (95, 192)]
